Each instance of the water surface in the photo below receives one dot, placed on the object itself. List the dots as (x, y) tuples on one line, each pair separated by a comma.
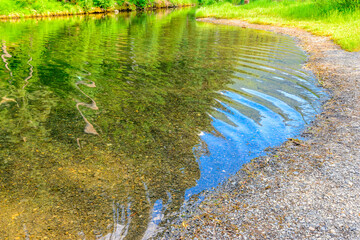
[(109, 123)]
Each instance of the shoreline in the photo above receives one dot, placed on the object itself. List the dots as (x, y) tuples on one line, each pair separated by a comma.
[(301, 189)]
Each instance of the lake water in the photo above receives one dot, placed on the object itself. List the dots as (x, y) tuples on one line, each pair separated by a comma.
[(109, 123)]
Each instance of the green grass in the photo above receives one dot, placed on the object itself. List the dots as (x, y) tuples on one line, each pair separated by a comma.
[(38, 7), (326, 18)]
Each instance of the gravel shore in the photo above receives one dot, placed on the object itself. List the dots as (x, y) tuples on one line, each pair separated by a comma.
[(302, 189)]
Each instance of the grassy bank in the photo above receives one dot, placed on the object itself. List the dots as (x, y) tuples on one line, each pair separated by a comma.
[(15, 8), (334, 18), (25, 8)]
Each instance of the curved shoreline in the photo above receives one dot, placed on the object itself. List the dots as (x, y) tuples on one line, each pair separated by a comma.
[(302, 189)]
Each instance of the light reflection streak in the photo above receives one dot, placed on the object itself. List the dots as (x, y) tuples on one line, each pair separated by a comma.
[(89, 128), (4, 56), (120, 230), (6, 99), (31, 71)]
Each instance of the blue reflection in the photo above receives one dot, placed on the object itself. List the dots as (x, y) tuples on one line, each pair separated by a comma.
[(237, 138)]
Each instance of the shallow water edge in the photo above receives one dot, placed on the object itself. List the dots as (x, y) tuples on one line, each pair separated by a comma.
[(312, 180)]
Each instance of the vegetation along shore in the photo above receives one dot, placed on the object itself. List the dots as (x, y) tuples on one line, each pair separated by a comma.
[(10, 9)]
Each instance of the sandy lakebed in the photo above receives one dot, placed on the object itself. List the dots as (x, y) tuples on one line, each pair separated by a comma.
[(302, 189)]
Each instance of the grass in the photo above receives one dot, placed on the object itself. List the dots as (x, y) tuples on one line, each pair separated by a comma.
[(342, 24), (14, 8)]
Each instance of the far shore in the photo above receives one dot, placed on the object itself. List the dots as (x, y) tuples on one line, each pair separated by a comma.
[(127, 8)]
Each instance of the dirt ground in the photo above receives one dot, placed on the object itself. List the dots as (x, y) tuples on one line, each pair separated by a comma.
[(302, 189)]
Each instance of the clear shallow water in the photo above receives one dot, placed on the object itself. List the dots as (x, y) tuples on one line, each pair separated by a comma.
[(109, 123)]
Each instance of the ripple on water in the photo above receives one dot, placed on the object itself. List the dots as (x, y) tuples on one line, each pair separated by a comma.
[(271, 98)]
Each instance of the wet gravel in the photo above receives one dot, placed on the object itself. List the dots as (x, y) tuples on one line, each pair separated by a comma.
[(304, 189)]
